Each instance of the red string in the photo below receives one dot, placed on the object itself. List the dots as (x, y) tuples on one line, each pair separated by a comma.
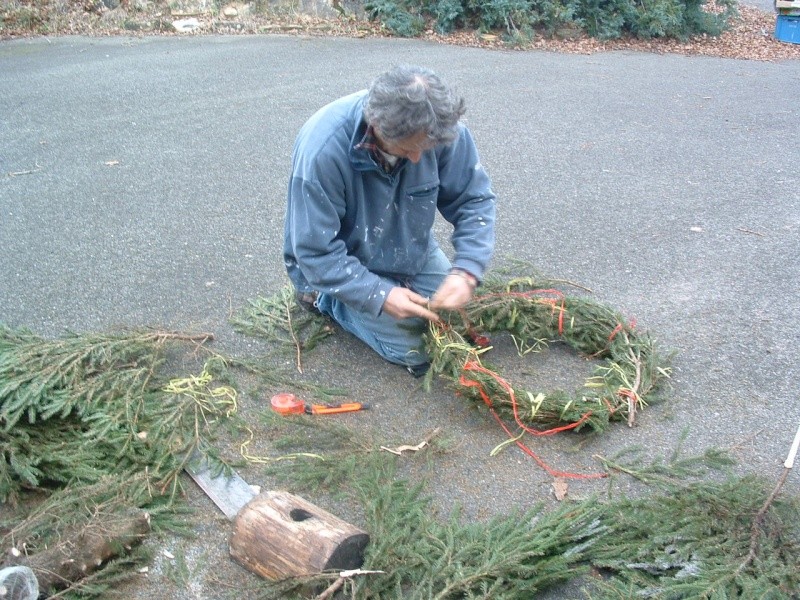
[(619, 328), (540, 462), (477, 367), (466, 382)]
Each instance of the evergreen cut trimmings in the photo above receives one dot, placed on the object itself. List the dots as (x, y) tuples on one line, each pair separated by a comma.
[(535, 314)]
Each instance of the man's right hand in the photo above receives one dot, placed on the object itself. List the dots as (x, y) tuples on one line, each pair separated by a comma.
[(402, 303)]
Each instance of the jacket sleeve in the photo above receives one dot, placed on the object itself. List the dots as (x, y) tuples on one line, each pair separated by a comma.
[(467, 202), (313, 222)]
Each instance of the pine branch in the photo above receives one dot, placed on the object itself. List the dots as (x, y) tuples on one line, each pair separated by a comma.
[(684, 541), (86, 420), (758, 521), (281, 322), (43, 378), (295, 341)]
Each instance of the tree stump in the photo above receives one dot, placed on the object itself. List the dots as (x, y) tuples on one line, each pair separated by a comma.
[(279, 535)]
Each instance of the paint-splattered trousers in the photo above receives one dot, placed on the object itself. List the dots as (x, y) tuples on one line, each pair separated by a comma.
[(397, 340)]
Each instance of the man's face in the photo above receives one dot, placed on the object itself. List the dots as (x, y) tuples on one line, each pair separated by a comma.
[(411, 147)]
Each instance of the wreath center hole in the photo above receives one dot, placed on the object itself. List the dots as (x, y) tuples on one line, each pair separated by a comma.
[(553, 367)]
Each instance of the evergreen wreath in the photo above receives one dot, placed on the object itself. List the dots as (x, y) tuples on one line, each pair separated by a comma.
[(535, 314)]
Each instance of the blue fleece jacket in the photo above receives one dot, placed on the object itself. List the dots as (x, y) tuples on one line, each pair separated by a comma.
[(348, 221)]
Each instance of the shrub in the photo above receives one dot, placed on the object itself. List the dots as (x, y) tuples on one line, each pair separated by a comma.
[(447, 13), (603, 19), (510, 15), (396, 16)]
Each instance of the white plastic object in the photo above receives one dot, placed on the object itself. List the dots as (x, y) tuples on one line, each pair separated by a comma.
[(18, 583), (793, 450)]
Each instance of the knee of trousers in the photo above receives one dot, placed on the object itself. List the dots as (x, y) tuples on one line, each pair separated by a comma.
[(398, 341), (406, 347)]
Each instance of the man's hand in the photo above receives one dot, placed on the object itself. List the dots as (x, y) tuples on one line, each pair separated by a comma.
[(455, 291), (402, 303)]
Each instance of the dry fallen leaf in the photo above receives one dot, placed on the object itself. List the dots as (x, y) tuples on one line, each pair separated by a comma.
[(560, 488), (400, 449), (751, 34)]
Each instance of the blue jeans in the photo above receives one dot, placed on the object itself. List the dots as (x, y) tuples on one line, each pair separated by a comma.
[(397, 340)]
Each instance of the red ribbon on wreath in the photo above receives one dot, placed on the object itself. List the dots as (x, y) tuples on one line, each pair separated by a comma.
[(467, 382)]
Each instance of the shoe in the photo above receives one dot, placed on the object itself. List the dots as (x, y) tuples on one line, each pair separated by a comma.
[(307, 300), (419, 370)]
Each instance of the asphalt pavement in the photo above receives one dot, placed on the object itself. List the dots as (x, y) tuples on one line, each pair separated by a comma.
[(765, 5), (142, 183)]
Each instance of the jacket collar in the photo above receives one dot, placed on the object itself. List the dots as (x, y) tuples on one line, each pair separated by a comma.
[(361, 158)]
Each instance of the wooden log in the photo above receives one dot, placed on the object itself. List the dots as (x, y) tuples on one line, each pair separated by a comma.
[(279, 535), (81, 553)]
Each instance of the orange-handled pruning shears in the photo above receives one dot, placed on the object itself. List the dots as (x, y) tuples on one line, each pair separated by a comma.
[(289, 404)]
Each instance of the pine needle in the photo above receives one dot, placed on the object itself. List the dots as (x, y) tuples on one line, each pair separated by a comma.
[(283, 323)]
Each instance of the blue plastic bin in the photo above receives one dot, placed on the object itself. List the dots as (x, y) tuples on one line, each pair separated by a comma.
[(787, 29)]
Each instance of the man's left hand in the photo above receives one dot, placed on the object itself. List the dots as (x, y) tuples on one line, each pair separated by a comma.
[(455, 292)]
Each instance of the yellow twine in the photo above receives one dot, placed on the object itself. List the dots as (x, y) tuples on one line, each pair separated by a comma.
[(214, 400), (262, 460)]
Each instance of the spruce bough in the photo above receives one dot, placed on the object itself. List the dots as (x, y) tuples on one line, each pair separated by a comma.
[(685, 538)]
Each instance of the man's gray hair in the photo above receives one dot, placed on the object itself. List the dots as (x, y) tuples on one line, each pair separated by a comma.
[(408, 100)]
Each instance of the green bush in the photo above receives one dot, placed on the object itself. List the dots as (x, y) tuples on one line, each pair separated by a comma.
[(510, 15), (699, 21), (553, 14), (396, 15), (603, 19), (449, 14)]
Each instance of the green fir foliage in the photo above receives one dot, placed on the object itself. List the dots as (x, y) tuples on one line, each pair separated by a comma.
[(688, 539), (112, 414), (423, 555), (92, 435), (282, 322), (690, 544), (429, 556)]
